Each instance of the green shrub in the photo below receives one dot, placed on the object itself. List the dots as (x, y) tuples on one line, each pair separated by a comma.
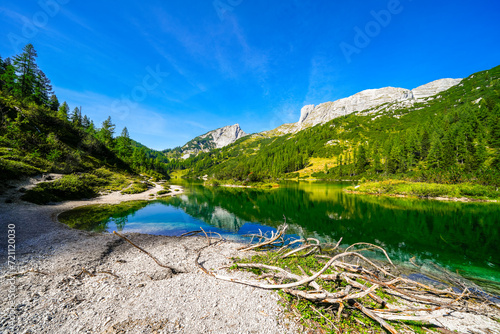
[(69, 187), (135, 188)]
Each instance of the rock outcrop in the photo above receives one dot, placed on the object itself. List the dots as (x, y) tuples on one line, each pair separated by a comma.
[(369, 101), (214, 139)]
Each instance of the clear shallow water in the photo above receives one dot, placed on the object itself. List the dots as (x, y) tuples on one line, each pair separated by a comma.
[(462, 237)]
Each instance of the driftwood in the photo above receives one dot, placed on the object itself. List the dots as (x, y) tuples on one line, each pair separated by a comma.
[(360, 282), (174, 270)]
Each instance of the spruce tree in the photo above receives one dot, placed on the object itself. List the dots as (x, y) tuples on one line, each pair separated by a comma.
[(425, 144), (361, 160), (107, 131), (42, 89), (448, 150), (76, 117), (27, 69), (124, 144), (435, 156), (8, 78), (54, 103), (63, 111)]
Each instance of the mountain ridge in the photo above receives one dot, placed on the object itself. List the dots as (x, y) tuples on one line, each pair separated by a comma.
[(311, 115), (214, 139), (368, 100)]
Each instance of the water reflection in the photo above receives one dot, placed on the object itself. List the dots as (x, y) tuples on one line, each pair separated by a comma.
[(460, 236)]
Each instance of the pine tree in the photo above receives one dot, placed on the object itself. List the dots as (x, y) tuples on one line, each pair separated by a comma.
[(425, 144), (480, 152), (2, 71), (448, 150), (42, 89), (27, 69), (435, 156), (106, 132), (8, 77), (86, 122), (495, 127), (124, 144), (76, 117), (54, 103), (63, 111), (361, 160)]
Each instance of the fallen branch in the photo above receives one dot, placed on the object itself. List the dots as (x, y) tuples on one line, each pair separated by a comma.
[(279, 233), (174, 270), (375, 317)]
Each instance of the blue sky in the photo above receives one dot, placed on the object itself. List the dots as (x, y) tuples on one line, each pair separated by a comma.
[(172, 70)]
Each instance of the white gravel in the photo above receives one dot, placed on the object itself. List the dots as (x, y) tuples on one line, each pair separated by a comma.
[(145, 298)]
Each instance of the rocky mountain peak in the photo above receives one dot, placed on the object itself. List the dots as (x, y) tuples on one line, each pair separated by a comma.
[(214, 139), (369, 101), (225, 135)]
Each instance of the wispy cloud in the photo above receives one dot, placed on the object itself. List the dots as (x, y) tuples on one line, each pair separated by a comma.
[(322, 75), (198, 125)]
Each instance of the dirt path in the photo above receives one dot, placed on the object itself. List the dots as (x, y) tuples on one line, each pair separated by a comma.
[(57, 297)]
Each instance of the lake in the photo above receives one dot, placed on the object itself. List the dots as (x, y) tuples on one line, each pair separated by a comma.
[(461, 237)]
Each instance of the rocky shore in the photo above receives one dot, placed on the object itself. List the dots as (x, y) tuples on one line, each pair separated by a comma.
[(68, 281)]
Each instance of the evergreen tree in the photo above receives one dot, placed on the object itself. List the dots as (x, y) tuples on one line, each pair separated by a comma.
[(448, 150), (2, 71), (361, 160), (377, 165), (63, 111), (435, 156), (54, 103), (27, 69), (495, 127), (124, 144), (425, 144), (76, 117), (42, 89), (85, 122), (480, 152), (106, 132), (8, 77), (495, 135), (461, 146)]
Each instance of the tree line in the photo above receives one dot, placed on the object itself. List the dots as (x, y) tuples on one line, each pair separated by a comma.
[(34, 121)]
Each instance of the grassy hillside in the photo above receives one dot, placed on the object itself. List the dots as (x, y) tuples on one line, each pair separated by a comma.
[(451, 138), (40, 135)]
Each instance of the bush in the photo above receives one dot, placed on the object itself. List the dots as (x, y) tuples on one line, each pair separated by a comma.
[(69, 187), (135, 188)]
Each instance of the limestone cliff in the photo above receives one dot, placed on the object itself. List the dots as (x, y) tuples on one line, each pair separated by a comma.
[(214, 139), (369, 101)]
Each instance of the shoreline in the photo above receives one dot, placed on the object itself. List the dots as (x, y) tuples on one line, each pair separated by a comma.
[(77, 281), (65, 280), (440, 198)]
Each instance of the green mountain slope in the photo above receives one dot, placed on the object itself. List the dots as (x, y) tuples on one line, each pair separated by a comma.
[(39, 135), (452, 138)]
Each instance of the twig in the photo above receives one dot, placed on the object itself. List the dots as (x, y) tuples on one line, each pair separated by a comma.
[(174, 270), (331, 323), (374, 246), (31, 270), (375, 317), (208, 239), (281, 230)]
